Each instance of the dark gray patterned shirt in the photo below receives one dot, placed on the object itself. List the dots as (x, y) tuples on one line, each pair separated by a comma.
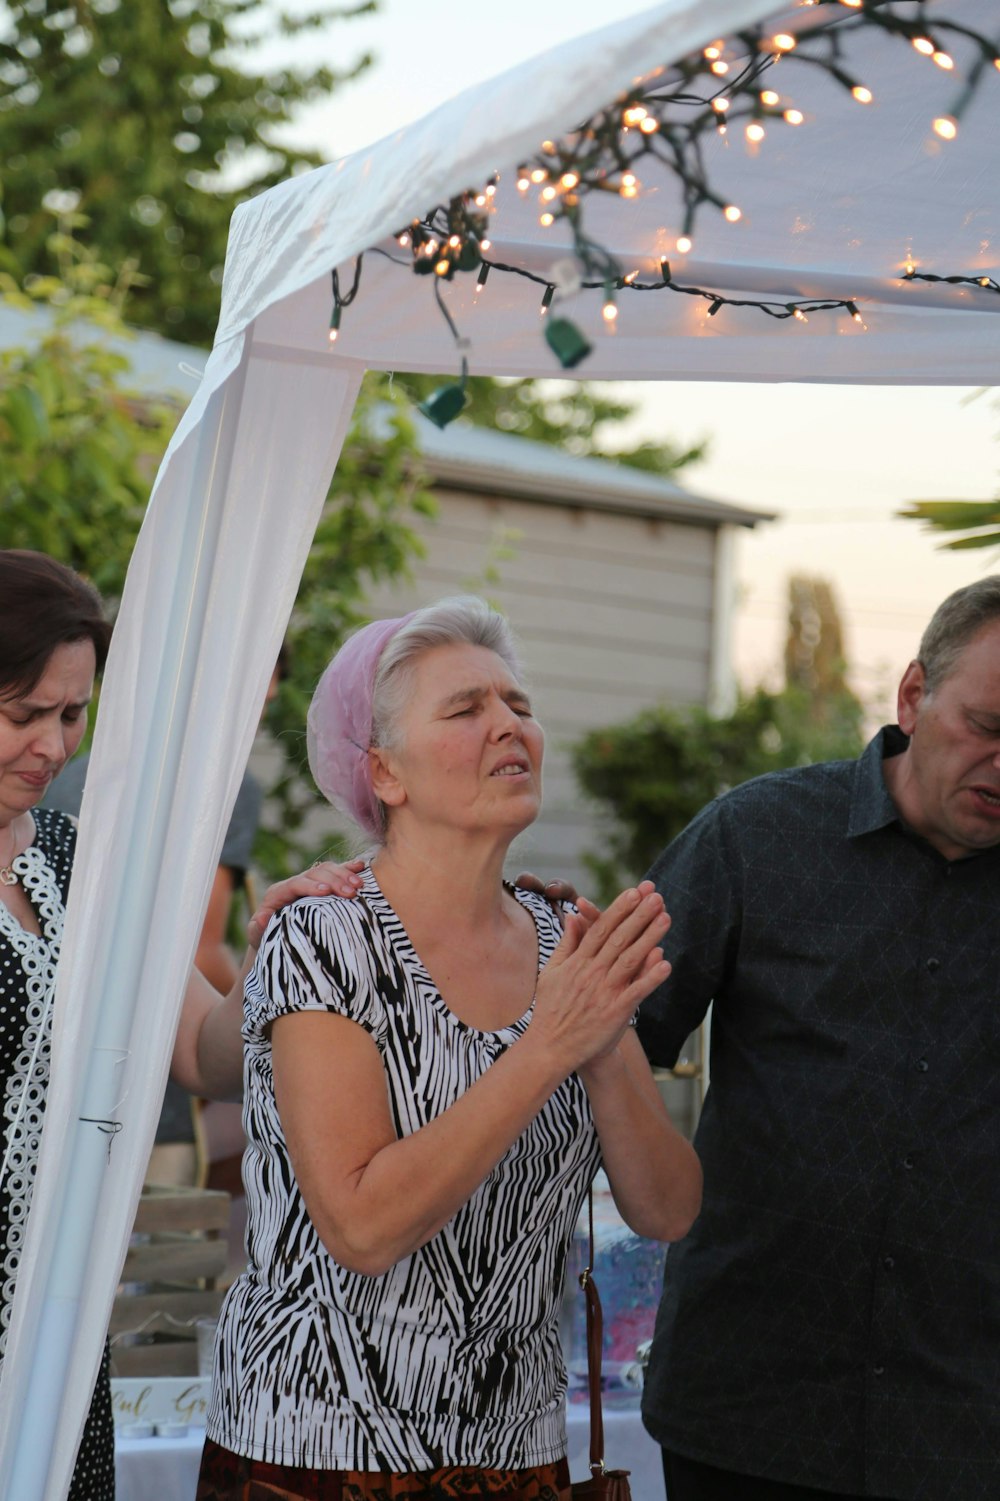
[(833, 1319)]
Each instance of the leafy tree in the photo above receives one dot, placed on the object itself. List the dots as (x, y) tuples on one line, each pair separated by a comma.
[(135, 113), (977, 520), (79, 447), (655, 772), (578, 417)]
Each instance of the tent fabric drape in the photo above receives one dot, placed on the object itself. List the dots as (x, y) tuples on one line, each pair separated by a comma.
[(832, 208)]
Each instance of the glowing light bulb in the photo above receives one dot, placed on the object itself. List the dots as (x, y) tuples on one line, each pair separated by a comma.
[(721, 105), (545, 220), (925, 45), (944, 61), (523, 183), (539, 174), (431, 247), (684, 244), (713, 52), (910, 268), (630, 185), (996, 63), (480, 200), (794, 116), (861, 94), (783, 42), (852, 4), (570, 179), (720, 67), (649, 125), (755, 132), (454, 241), (443, 267), (404, 241), (486, 244), (491, 189), (732, 213), (548, 193), (946, 126), (548, 146), (799, 315), (635, 114), (609, 312), (769, 97), (630, 277), (984, 281)]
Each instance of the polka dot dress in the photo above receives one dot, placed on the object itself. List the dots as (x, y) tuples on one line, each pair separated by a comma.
[(27, 977)]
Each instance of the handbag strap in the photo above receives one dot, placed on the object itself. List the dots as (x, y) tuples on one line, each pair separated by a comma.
[(595, 1341)]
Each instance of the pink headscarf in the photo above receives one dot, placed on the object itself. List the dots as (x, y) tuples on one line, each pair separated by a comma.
[(339, 723)]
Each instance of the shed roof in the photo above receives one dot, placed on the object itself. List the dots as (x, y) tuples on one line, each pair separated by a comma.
[(477, 458)]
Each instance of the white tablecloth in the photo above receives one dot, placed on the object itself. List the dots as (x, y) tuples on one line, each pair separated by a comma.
[(166, 1469)]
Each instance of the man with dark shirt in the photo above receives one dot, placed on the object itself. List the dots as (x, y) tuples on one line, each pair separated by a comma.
[(831, 1325)]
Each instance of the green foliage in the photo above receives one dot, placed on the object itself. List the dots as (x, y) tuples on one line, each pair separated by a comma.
[(575, 416), (78, 453), (978, 519), (135, 113), (655, 772), (78, 447)]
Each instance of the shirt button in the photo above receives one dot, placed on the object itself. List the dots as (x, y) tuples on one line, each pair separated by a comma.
[(888, 1262), (908, 1161), (878, 1370), (933, 965), (922, 1065)]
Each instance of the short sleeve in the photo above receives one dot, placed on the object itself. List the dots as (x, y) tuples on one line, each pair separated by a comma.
[(317, 955)]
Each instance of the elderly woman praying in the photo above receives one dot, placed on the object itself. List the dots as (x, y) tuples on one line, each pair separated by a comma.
[(434, 1072)]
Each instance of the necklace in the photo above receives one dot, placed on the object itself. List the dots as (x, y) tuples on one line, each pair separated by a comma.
[(8, 875)]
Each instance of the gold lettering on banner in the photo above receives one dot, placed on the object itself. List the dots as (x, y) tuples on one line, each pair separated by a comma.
[(190, 1403), (134, 1407)]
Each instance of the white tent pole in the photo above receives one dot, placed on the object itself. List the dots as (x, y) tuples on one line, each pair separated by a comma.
[(129, 922)]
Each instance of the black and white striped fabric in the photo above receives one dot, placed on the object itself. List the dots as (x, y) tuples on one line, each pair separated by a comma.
[(453, 1356)]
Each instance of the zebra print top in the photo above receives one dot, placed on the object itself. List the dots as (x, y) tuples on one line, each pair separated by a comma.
[(453, 1356)]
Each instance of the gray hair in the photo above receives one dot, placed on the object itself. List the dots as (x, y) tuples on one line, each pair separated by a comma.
[(953, 625), (462, 619)]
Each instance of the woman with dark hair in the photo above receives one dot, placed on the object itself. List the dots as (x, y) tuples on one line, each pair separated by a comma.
[(53, 641)]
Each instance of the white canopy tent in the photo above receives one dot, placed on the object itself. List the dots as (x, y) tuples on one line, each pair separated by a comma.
[(832, 209)]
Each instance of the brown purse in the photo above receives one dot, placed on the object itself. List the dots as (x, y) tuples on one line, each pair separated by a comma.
[(604, 1484)]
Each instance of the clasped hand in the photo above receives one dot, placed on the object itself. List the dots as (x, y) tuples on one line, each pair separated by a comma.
[(604, 967)]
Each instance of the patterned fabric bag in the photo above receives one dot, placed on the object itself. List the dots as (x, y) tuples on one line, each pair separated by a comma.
[(603, 1484)]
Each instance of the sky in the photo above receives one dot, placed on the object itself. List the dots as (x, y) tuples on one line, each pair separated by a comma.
[(835, 462)]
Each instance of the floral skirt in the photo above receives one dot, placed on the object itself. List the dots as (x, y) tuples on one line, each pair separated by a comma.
[(226, 1476)]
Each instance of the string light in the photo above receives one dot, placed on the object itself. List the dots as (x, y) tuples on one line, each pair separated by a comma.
[(604, 151), (334, 323)]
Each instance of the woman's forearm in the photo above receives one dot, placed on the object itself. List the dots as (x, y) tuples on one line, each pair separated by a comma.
[(208, 1049), (653, 1170)]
